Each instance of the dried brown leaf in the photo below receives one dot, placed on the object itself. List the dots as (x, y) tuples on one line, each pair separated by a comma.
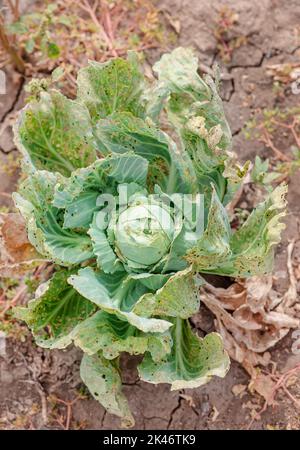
[(17, 255), (189, 399), (238, 389), (263, 385), (285, 72)]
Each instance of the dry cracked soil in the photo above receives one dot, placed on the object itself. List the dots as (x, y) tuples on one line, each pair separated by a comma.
[(271, 31)]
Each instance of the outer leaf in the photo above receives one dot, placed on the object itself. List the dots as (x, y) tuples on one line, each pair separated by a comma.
[(214, 245), (152, 281), (192, 362), (107, 333), (112, 86), (129, 168), (178, 71), (195, 109), (154, 97), (43, 221), (191, 95), (116, 294), (55, 311), (103, 380), (248, 251), (169, 168), (55, 133), (253, 244), (177, 298)]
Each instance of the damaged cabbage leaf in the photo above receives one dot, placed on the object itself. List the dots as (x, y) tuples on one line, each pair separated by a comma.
[(55, 133), (192, 362), (171, 169), (44, 222), (178, 297), (55, 312), (113, 86), (59, 315), (247, 251), (213, 247), (105, 332), (104, 383), (195, 109), (80, 194), (116, 294), (129, 298)]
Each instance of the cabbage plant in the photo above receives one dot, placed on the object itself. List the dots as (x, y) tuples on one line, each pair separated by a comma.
[(125, 191)]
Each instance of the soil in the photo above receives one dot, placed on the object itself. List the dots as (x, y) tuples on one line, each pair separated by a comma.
[(29, 375)]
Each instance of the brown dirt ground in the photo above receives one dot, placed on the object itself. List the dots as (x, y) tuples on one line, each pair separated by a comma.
[(29, 374)]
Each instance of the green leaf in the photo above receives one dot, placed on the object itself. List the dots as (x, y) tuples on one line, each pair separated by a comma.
[(116, 294), (17, 27), (195, 109), (29, 45), (234, 174), (78, 194), (154, 97), (66, 20), (169, 168), (107, 333), (152, 281), (55, 133), (57, 74), (249, 250), (253, 243), (55, 312), (214, 245), (260, 173), (113, 86), (178, 70), (192, 362), (129, 168), (53, 50), (79, 212), (103, 176), (107, 260), (178, 297), (191, 96), (44, 221), (104, 383)]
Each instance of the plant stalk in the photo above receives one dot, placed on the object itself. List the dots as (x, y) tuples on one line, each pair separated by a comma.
[(16, 58)]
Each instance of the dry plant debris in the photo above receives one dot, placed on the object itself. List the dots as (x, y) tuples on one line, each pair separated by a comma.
[(17, 255), (227, 40), (278, 130), (66, 34), (252, 317), (284, 72)]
